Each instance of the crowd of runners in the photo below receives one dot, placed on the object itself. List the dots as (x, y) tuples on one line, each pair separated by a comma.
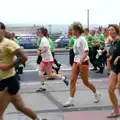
[(99, 48)]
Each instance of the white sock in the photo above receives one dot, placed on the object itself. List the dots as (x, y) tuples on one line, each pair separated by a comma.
[(63, 77), (71, 97), (39, 118), (96, 92)]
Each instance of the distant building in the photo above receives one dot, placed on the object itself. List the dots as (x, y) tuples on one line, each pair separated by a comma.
[(25, 30)]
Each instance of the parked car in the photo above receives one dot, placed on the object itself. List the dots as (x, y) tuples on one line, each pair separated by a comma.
[(28, 43), (62, 42)]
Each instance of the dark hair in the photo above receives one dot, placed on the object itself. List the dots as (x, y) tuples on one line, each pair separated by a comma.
[(93, 31), (70, 31), (86, 29), (8, 35), (44, 31), (117, 29), (2, 26), (106, 29), (78, 27)]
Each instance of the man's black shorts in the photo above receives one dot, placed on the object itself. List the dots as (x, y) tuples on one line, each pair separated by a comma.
[(12, 85)]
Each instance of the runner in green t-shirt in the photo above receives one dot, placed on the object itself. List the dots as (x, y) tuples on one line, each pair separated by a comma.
[(101, 59), (52, 45), (71, 44), (102, 40), (95, 47), (16, 40), (89, 39), (38, 39)]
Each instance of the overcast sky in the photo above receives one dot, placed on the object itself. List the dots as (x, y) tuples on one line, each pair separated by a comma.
[(59, 11)]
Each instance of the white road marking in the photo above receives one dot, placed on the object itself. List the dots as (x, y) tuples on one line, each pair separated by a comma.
[(54, 82), (62, 69)]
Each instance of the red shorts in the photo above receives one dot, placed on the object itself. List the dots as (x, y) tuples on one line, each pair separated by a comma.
[(48, 63), (83, 63)]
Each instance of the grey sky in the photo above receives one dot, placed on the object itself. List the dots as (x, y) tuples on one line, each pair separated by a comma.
[(59, 11)]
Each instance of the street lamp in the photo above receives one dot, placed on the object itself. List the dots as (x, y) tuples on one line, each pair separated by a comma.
[(88, 20), (50, 29)]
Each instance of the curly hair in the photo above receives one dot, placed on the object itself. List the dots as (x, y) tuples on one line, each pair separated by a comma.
[(78, 27), (116, 27)]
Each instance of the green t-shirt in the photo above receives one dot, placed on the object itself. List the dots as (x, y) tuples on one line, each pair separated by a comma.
[(16, 40), (102, 40), (52, 45), (93, 39), (89, 39), (38, 41), (72, 41)]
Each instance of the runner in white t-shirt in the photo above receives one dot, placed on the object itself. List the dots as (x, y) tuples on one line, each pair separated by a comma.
[(80, 65), (47, 60)]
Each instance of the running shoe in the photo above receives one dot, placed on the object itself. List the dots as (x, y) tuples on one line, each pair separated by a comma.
[(113, 115), (41, 89), (39, 118), (65, 80), (97, 97), (69, 103)]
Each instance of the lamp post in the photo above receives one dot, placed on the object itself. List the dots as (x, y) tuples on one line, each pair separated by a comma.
[(50, 29), (88, 20)]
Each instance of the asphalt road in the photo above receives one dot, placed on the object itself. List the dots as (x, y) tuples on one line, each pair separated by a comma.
[(63, 58)]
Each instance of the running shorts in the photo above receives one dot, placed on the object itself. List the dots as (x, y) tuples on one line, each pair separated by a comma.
[(12, 84)]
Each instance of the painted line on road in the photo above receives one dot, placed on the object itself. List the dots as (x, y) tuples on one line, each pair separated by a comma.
[(55, 82), (62, 69), (69, 109)]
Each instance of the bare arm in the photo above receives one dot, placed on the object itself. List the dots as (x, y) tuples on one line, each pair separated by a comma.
[(108, 61), (21, 58), (85, 54)]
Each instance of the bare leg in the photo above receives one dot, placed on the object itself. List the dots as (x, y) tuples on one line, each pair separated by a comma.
[(17, 101), (4, 101), (84, 76)]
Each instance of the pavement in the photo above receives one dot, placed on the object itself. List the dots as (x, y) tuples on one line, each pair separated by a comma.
[(33, 52), (49, 104), (56, 50)]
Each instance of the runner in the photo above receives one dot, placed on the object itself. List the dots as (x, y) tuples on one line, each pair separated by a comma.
[(7, 35), (107, 39), (113, 65), (38, 39), (9, 85), (47, 60), (102, 58), (71, 44), (13, 37), (81, 62), (89, 39), (95, 47), (52, 46)]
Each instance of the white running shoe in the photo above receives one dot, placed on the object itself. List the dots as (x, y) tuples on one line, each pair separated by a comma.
[(41, 89), (39, 118), (69, 103), (97, 97)]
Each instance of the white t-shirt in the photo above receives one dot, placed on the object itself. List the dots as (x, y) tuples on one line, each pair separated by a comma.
[(79, 48), (46, 56)]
